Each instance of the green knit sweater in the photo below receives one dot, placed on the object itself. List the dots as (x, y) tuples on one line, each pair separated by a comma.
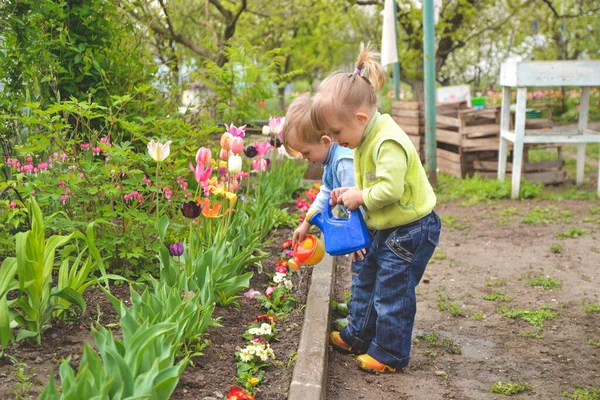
[(387, 167)]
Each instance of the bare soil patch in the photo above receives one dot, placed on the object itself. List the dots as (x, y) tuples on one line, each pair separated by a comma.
[(487, 249)]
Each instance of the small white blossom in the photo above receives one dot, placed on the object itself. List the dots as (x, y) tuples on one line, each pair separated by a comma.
[(278, 278), (251, 349), (254, 331), (245, 355), (270, 352), (262, 353), (266, 328), (288, 284)]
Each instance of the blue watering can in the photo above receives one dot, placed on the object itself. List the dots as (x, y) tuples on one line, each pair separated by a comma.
[(342, 235)]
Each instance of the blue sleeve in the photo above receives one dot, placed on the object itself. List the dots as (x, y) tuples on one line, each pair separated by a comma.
[(322, 197), (345, 172)]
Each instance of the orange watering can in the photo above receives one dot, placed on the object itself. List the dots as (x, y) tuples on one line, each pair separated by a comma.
[(309, 252)]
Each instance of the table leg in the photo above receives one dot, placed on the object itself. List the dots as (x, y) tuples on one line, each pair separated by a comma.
[(504, 126), (584, 107), (518, 146)]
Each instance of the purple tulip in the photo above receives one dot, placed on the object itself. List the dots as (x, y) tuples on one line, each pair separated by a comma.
[(191, 209), (176, 249), (250, 151)]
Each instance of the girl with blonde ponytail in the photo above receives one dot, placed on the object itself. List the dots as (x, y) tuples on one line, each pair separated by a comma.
[(398, 201)]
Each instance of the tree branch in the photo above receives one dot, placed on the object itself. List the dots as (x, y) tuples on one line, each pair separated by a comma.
[(225, 12)]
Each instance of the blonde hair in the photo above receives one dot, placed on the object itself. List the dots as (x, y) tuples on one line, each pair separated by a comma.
[(341, 93), (298, 122)]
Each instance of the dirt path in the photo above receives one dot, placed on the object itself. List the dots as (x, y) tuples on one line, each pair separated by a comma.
[(486, 249)]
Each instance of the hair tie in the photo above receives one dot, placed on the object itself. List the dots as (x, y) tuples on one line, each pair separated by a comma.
[(357, 71)]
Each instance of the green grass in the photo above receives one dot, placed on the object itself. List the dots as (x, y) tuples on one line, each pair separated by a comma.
[(556, 249), (510, 388), (571, 233), (452, 224), (590, 306), (545, 282), (547, 215), (430, 353), (445, 304), (478, 316), (498, 296), (536, 335), (432, 339), (534, 317), (594, 342), (505, 215), (584, 394)]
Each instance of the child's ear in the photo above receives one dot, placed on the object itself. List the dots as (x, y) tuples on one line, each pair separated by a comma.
[(326, 140), (362, 117)]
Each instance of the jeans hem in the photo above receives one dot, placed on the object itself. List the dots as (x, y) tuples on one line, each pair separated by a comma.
[(386, 358), (354, 341)]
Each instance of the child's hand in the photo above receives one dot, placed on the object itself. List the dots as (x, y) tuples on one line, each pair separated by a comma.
[(335, 195), (300, 233), (360, 254), (352, 199)]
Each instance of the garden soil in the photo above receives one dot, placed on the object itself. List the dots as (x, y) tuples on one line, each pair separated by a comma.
[(485, 249)]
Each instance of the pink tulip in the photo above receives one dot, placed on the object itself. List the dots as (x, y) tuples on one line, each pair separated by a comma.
[(203, 156), (262, 148), (200, 173), (259, 165), (276, 124), (237, 145), (236, 132), (226, 140), (224, 154)]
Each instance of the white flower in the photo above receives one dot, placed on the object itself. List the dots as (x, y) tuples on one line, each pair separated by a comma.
[(266, 131), (270, 352), (234, 164), (159, 151), (253, 331), (266, 328), (288, 284), (262, 353), (278, 277), (245, 355)]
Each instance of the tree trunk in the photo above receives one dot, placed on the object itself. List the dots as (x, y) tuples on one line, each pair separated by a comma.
[(281, 97), (418, 89)]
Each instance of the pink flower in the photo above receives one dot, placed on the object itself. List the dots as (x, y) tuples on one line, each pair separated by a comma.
[(237, 145), (147, 181), (168, 193), (27, 168), (276, 124), (64, 198), (269, 291), (261, 104), (203, 155), (43, 166), (12, 204), (200, 173), (96, 150), (281, 269), (259, 165), (224, 154), (29, 159), (63, 157), (226, 140), (262, 148), (85, 146), (236, 132), (251, 293)]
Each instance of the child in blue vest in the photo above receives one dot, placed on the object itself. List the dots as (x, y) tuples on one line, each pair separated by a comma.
[(338, 165), (398, 200)]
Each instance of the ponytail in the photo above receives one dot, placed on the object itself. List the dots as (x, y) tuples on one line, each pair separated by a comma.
[(367, 67)]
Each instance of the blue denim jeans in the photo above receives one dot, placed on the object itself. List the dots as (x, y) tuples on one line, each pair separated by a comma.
[(384, 303)]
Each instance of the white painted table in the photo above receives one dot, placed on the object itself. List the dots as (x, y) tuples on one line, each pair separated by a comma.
[(584, 74)]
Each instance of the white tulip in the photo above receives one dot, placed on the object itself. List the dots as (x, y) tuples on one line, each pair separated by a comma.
[(234, 164)]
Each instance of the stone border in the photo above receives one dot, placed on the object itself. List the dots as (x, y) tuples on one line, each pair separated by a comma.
[(309, 380)]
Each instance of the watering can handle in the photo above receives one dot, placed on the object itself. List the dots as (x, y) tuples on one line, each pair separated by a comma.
[(328, 214)]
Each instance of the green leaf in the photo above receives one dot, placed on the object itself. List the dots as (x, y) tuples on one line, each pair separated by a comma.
[(72, 297), (163, 224)]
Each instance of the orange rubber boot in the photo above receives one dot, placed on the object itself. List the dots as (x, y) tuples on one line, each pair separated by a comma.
[(369, 364), (338, 343)]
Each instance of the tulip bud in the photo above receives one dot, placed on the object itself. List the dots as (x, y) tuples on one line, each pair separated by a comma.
[(224, 154), (237, 145), (176, 249), (266, 131), (250, 151), (226, 140), (234, 164), (203, 156)]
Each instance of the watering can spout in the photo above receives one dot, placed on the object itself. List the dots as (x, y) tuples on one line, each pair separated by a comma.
[(315, 217)]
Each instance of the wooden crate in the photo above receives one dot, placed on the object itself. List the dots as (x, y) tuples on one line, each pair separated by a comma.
[(410, 115), (468, 143)]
